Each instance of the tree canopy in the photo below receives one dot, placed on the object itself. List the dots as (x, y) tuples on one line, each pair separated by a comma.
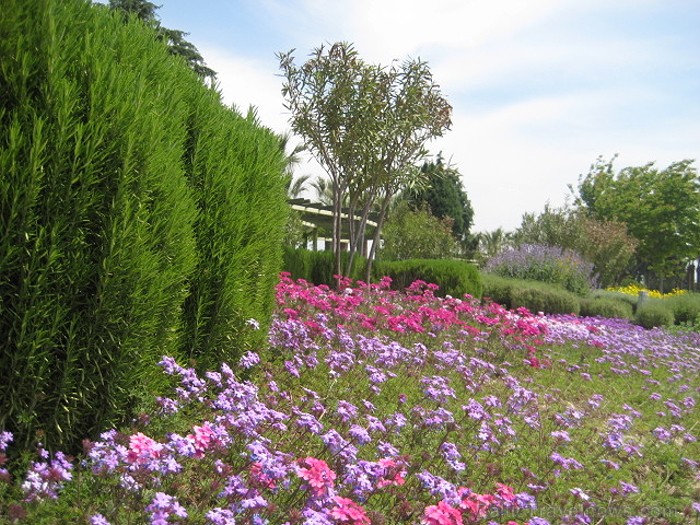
[(367, 126), (660, 207), (444, 196)]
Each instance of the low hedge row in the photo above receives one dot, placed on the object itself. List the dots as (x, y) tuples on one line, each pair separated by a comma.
[(454, 277), (682, 310), (533, 295)]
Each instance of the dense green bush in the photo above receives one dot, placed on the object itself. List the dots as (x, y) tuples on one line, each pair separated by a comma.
[(549, 301), (685, 307), (318, 267), (654, 313), (546, 264), (601, 307), (126, 187), (628, 299), (454, 277), (533, 295)]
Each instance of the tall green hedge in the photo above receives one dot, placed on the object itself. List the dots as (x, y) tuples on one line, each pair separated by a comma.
[(235, 167), (127, 190)]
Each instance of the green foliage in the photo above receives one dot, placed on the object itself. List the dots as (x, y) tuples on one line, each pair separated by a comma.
[(545, 300), (533, 295), (317, 267), (685, 307), (661, 209), (444, 196), (454, 277), (145, 11), (236, 168), (126, 187), (97, 239), (654, 313), (416, 234), (600, 307), (630, 300)]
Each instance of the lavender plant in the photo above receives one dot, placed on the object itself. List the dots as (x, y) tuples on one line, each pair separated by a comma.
[(547, 264)]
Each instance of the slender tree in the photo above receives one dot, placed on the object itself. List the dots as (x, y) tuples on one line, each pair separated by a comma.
[(367, 126)]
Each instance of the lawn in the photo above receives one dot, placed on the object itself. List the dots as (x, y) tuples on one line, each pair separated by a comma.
[(377, 407)]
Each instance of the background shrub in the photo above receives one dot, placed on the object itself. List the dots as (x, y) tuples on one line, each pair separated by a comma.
[(549, 301), (318, 267), (601, 307), (685, 308), (533, 295), (454, 277), (546, 264), (654, 313)]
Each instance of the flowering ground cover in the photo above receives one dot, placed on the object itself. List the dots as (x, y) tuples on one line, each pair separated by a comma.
[(377, 407)]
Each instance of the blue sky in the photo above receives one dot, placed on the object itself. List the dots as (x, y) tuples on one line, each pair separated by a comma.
[(539, 88)]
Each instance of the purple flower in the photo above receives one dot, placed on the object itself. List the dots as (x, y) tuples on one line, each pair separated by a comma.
[(218, 516), (249, 360), (98, 519)]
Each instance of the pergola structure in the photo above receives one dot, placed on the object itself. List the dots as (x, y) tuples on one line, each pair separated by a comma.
[(318, 218)]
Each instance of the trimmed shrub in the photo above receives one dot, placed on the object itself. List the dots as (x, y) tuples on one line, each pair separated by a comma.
[(600, 307), (318, 267), (546, 264), (685, 308), (654, 313), (533, 295), (630, 300), (549, 301), (454, 277)]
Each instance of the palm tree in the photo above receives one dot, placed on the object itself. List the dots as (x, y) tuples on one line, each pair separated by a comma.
[(494, 242), (324, 190)]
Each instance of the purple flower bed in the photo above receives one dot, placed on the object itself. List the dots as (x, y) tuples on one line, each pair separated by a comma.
[(376, 407)]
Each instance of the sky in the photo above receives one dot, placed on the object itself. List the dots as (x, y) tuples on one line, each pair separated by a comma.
[(539, 88)]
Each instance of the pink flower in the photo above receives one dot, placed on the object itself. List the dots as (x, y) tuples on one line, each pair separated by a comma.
[(142, 448), (318, 475), (201, 439), (441, 514), (393, 473), (347, 511), (477, 504)]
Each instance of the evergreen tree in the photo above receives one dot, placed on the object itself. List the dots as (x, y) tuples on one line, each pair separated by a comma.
[(174, 38), (445, 197)]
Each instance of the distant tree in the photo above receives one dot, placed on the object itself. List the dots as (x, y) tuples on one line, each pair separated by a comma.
[(174, 38), (417, 234), (445, 197), (493, 242), (367, 126), (661, 209)]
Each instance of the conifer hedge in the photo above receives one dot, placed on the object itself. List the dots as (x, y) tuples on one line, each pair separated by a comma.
[(138, 217)]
